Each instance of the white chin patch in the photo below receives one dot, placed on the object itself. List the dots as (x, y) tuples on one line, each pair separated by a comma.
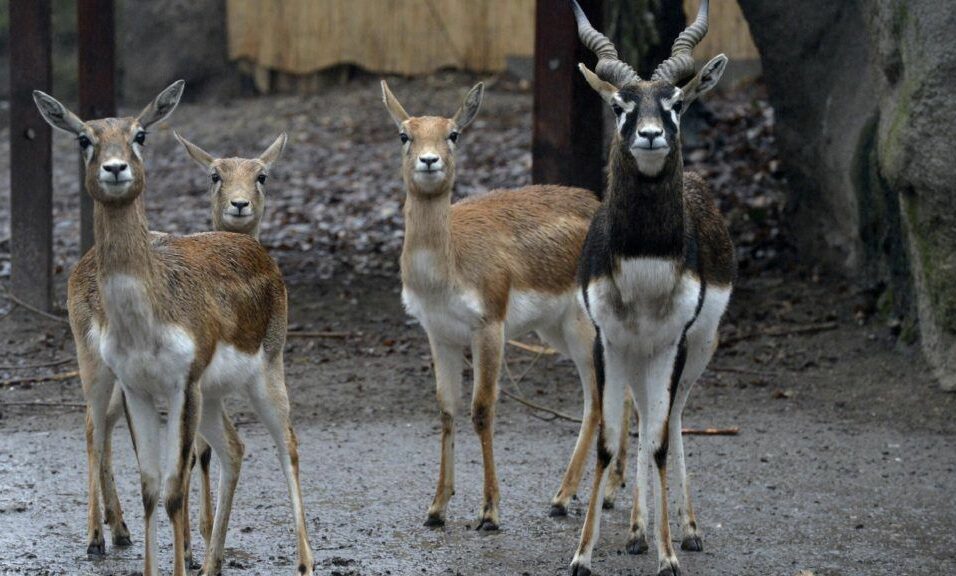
[(650, 162), (115, 189), (429, 181)]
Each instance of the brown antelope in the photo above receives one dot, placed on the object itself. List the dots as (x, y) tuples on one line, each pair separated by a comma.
[(237, 187), (176, 320), (238, 203), (481, 271), (656, 275)]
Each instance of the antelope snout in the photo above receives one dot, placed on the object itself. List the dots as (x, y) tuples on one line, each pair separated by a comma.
[(429, 163), (239, 208), (650, 138), (115, 173)]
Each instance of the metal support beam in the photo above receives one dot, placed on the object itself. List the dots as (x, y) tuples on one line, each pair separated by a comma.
[(96, 30), (31, 158), (568, 114)]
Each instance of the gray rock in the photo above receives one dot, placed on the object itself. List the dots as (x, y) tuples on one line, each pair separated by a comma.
[(864, 94)]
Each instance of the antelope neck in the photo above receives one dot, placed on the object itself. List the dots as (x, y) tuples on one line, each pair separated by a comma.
[(645, 215), (428, 227), (122, 240)]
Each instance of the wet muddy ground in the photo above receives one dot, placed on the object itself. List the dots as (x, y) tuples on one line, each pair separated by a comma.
[(844, 464)]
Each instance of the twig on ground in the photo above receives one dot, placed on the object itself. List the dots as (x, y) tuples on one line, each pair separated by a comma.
[(736, 370), (732, 431), (47, 378), (33, 309), (341, 335), (533, 348), (540, 407), (785, 331), (39, 365), (31, 403)]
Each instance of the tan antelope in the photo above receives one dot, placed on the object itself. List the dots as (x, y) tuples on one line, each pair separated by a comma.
[(237, 186), (177, 320), (238, 203), (481, 271), (656, 275)]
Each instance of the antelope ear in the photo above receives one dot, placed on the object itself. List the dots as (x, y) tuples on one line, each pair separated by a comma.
[(163, 105), (393, 106), (274, 150), (706, 79), (602, 87), (201, 157), (56, 114), (469, 106)]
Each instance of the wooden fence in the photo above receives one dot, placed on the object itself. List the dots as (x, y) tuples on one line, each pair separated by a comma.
[(301, 37)]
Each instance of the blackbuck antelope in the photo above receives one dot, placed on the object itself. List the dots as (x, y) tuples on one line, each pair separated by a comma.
[(483, 270), (656, 275), (237, 186), (238, 203), (176, 320)]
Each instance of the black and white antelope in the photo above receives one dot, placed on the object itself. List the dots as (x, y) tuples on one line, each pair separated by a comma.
[(483, 270), (176, 320), (656, 274)]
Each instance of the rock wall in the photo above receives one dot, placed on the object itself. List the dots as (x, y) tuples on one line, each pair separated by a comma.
[(865, 94)]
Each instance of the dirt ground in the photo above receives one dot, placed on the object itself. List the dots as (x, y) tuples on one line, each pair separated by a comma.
[(844, 464)]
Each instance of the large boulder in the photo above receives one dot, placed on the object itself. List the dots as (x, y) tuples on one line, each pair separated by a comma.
[(864, 94)]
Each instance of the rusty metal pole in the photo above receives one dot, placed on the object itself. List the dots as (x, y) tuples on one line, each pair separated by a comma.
[(568, 114), (31, 157), (96, 31)]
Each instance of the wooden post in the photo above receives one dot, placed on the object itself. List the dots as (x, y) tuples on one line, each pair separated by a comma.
[(568, 114), (31, 158), (97, 84)]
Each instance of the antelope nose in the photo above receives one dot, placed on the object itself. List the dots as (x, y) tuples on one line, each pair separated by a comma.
[(239, 204), (115, 168), (650, 133), (429, 159)]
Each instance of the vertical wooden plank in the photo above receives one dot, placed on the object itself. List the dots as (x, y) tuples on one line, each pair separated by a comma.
[(568, 114), (97, 84), (31, 159)]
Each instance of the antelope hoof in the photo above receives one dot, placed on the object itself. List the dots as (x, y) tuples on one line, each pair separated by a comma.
[(669, 568), (608, 504), (692, 543), (434, 520), (96, 549), (637, 544), (558, 511), (121, 536), (580, 570), (487, 525), (305, 570)]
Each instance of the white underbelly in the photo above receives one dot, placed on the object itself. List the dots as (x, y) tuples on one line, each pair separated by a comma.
[(645, 306), (529, 311), (152, 364), (230, 370), (450, 316)]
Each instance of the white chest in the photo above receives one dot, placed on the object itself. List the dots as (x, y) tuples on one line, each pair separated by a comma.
[(144, 353), (644, 305), (451, 314)]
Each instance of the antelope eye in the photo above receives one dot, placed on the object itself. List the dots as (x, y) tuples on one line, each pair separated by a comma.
[(216, 177), (140, 137), (261, 179), (404, 137), (84, 142), (453, 137), (678, 106), (617, 109)]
